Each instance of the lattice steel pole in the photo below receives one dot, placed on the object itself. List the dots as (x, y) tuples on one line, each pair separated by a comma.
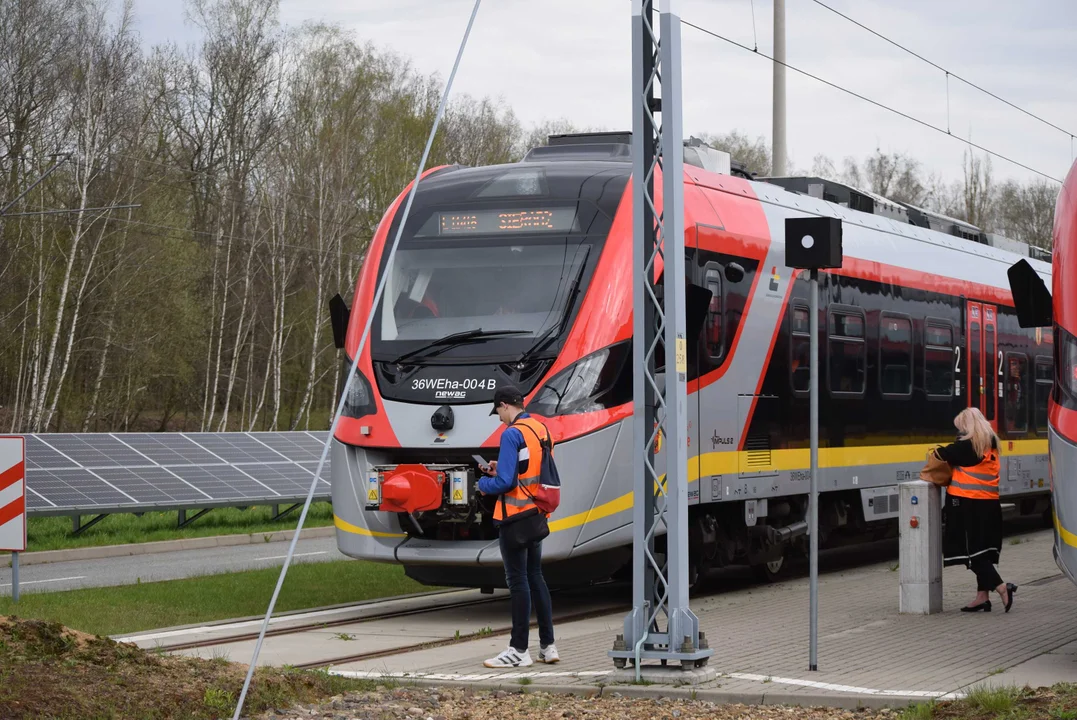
[(660, 590)]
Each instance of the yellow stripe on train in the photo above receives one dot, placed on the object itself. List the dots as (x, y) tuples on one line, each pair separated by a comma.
[(733, 462), (730, 462), (1067, 537)]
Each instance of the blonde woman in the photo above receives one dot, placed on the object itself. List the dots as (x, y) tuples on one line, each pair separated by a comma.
[(973, 513)]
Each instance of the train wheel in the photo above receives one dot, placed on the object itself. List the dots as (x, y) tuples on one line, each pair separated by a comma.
[(695, 577), (772, 571)]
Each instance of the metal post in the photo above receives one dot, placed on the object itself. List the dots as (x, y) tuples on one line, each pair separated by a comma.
[(683, 624), (661, 405), (813, 506), (643, 328), (778, 148), (15, 577)]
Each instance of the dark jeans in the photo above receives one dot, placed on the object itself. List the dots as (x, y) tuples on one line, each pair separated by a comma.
[(987, 577), (523, 572)]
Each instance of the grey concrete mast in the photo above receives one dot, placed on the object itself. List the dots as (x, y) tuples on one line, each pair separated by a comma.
[(778, 150)]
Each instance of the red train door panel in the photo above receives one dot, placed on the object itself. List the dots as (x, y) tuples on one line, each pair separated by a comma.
[(992, 367), (975, 353)]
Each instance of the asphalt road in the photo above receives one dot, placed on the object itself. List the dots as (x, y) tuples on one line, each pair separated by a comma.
[(127, 570)]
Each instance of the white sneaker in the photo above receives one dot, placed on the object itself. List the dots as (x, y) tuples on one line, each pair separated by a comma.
[(510, 658), (548, 654)]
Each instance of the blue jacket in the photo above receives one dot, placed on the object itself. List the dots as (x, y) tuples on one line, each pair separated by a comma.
[(508, 459)]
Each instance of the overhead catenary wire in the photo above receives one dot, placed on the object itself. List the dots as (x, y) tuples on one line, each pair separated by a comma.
[(72, 211), (873, 102), (939, 67), (353, 366)]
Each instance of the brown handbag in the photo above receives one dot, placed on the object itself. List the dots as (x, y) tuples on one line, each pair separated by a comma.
[(936, 471)]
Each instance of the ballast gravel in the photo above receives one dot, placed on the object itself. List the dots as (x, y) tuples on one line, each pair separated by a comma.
[(461, 704)]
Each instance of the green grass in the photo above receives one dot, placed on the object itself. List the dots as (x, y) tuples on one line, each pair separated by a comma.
[(146, 606), (992, 700), (920, 711), (54, 533)]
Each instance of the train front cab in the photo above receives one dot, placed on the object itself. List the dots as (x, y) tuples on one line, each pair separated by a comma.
[(1038, 307), (428, 406)]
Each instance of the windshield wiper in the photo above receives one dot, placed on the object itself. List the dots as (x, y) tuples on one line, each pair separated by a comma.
[(555, 331), (442, 344)]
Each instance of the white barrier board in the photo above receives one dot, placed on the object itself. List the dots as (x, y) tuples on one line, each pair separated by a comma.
[(12, 494)]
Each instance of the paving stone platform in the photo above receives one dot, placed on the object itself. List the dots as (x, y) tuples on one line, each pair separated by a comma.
[(868, 653)]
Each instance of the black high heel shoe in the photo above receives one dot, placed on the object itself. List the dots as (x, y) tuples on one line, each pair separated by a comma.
[(1011, 589), (985, 606)]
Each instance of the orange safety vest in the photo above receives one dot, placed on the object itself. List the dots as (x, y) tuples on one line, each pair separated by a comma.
[(979, 482), (528, 467)]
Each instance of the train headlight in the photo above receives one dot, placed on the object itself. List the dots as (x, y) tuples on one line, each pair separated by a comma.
[(360, 400), (599, 381)]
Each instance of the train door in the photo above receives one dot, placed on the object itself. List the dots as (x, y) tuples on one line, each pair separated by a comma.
[(992, 370), (692, 328), (974, 351)]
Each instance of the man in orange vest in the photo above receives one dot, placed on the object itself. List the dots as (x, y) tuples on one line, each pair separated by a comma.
[(516, 469)]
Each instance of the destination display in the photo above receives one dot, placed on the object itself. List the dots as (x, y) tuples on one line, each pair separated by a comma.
[(506, 221)]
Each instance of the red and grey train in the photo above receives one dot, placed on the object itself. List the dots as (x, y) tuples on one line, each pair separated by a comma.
[(522, 273), (1040, 308)]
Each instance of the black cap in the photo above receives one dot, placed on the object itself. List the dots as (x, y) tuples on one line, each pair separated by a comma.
[(509, 395)]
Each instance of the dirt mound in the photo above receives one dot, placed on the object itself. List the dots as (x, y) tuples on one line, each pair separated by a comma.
[(50, 671)]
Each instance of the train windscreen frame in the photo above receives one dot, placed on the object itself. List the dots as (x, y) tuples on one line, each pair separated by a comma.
[(580, 197)]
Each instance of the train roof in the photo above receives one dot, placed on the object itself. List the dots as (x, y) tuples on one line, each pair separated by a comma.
[(823, 197), (836, 198), (864, 201), (602, 152)]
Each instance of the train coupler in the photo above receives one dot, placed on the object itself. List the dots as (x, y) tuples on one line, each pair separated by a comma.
[(412, 488)]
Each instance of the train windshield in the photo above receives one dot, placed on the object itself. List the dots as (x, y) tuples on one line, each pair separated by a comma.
[(498, 257), (437, 292)]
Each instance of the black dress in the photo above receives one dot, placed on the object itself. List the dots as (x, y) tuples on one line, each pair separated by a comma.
[(973, 528)]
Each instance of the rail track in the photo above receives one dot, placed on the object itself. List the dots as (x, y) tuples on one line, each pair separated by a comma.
[(323, 624), (373, 655), (218, 640)]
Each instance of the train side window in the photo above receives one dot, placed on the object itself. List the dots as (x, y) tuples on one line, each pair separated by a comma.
[(895, 355), (1016, 392), (990, 372), (938, 358), (1044, 383), (800, 348), (1065, 351), (714, 327), (846, 352)]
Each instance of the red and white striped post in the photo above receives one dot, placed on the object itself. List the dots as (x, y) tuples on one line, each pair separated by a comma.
[(13, 503)]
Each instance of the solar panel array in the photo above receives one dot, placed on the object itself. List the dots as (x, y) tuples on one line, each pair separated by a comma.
[(97, 472)]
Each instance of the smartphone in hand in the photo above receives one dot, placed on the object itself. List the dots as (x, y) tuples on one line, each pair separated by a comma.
[(487, 468)]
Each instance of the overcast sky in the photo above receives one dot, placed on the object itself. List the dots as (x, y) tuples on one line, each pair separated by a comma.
[(572, 59)]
